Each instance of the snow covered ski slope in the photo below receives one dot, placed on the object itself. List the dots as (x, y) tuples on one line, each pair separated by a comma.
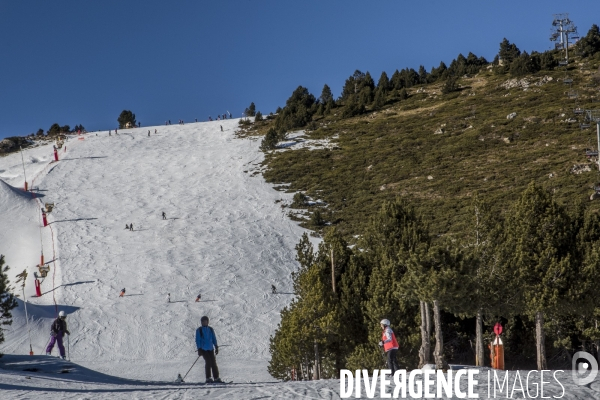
[(225, 237)]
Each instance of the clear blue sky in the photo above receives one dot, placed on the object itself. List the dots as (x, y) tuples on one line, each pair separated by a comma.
[(83, 62)]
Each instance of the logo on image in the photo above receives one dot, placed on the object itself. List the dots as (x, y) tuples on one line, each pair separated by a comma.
[(579, 370)]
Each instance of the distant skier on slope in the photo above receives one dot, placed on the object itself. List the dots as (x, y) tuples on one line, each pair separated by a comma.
[(206, 342), (148, 132), (168, 297), (389, 344), (57, 331), (164, 215), (198, 297), (126, 226), (221, 128), (273, 289), (131, 226), (122, 292)]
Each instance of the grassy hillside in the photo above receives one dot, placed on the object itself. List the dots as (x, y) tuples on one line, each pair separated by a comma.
[(437, 149)]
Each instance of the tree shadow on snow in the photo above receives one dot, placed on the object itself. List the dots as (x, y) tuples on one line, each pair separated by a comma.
[(72, 220), (47, 368), (82, 158), (65, 285), (42, 311)]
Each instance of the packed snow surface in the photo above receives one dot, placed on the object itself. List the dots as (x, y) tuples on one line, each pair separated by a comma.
[(225, 238)]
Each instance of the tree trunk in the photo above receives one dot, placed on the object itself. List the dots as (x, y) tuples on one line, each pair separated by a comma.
[(438, 353), (425, 350), (597, 343), (316, 367), (540, 340), (479, 352), (428, 317), (332, 271)]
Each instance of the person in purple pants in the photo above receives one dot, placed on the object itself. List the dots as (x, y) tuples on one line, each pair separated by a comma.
[(57, 331)]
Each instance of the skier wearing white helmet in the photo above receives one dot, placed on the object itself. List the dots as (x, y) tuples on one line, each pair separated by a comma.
[(206, 342), (57, 331), (389, 344)]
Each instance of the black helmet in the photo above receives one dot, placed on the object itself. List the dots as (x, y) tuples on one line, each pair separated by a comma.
[(204, 318)]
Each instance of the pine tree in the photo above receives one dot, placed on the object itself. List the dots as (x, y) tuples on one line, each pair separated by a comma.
[(451, 85), (524, 65), (590, 43), (250, 111), (490, 291), (585, 301), (403, 94), (423, 75), (508, 51), (547, 61), (391, 234), (326, 95), (7, 299), (379, 100), (317, 219), (441, 72), (125, 117), (270, 140), (298, 110), (384, 83), (439, 275), (258, 116), (324, 311), (537, 250), (54, 129), (396, 81), (353, 107)]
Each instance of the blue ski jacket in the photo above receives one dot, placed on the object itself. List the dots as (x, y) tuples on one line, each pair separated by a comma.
[(206, 338)]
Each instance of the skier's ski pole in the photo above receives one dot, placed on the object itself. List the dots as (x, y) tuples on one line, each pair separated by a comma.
[(186, 374)]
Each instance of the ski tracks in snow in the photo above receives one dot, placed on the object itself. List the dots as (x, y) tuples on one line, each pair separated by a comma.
[(224, 237)]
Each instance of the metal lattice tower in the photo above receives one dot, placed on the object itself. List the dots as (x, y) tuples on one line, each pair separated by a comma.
[(562, 26)]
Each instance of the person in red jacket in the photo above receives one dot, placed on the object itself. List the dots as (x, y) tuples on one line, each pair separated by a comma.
[(389, 344)]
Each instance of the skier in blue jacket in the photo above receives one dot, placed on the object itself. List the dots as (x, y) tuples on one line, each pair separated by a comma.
[(206, 342)]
